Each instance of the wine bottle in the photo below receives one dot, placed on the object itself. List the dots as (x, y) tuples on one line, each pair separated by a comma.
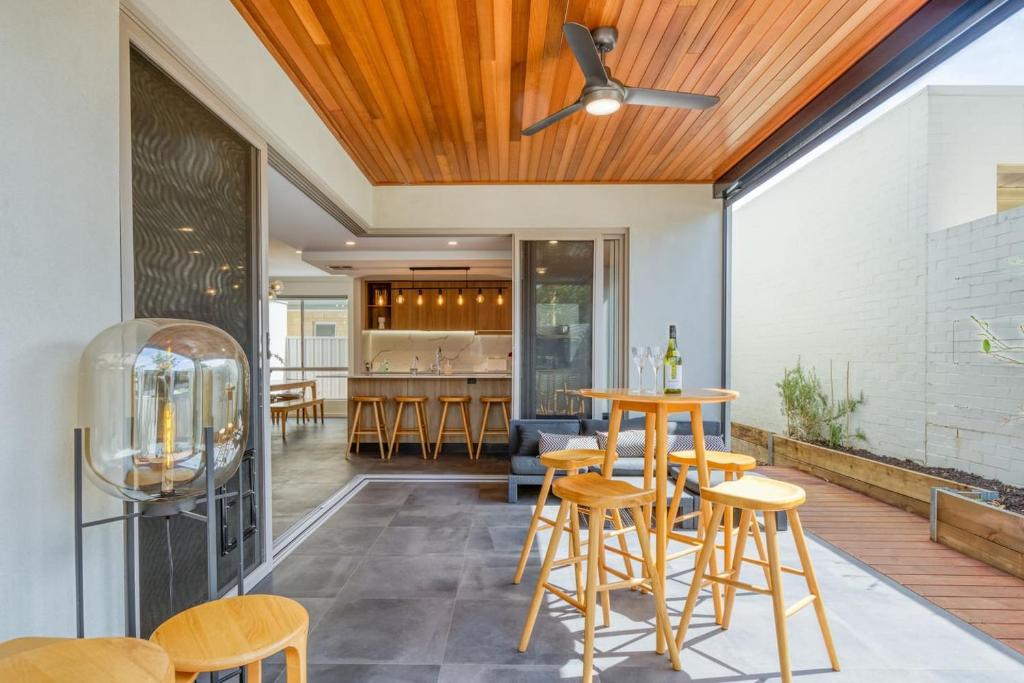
[(673, 372)]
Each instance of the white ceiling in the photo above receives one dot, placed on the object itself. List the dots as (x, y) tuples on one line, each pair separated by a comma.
[(297, 224)]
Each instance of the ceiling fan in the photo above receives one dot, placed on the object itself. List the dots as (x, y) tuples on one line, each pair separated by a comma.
[(602, 94)]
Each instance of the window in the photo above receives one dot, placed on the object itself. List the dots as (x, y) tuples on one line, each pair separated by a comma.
[(321, 329), (309, 340)]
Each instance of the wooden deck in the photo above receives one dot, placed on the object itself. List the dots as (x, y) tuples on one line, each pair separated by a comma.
[(897, 543)]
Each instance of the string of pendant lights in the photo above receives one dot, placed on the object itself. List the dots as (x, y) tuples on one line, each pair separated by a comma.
[(460, 299)]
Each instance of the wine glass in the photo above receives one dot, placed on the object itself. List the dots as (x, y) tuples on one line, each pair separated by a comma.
[(656, 357), (637, 354)]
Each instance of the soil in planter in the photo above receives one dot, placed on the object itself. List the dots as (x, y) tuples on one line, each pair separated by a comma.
[(1010, 497)]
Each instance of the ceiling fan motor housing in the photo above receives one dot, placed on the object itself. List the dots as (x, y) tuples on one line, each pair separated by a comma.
[(605, 38)]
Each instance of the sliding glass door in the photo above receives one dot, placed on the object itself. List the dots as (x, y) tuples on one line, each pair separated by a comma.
[(569, 289)]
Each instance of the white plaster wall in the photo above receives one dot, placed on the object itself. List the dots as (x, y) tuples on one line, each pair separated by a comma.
[(829, 266), (60, 237), (675, 255), (970, 132)]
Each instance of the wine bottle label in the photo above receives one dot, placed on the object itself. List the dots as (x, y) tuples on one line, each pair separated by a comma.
[(673, 376)]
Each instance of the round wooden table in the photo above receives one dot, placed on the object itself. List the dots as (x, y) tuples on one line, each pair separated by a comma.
[(87, 660), (656, 408)]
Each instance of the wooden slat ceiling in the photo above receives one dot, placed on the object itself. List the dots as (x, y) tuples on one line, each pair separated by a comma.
[(437, 91)]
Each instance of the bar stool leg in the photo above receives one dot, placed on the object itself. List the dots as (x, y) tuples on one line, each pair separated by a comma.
[(483, 428), (440, 431), (464, 411), (545, 572), (623, 544), (778, 599), (602, 572), (575, 548), (421, 426), (531, 533), (762, 554), (504, 414), (295, 661), (595, 539), (661, 611), (352, 429), (707, 552), (380, 423), (736, 566), (394, 432), (812, 585)]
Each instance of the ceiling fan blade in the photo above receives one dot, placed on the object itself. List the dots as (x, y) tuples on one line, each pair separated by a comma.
[(554, 118), (581, 42), (667, 98)]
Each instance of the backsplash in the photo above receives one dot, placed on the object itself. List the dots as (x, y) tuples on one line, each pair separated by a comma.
[(466, 351)]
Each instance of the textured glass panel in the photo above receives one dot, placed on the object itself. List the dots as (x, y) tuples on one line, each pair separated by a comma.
[(193, 240)]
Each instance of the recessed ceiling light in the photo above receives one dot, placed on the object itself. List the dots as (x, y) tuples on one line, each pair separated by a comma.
[(350, 243), (452, 243), (552, 241), (298, 251), (541, 271), (186, 228)]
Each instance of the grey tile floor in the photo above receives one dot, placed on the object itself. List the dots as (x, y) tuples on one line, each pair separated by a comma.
[(312, 466), (412, 582)]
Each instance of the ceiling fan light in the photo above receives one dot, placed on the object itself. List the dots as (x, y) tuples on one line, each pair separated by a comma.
[(602, 101)]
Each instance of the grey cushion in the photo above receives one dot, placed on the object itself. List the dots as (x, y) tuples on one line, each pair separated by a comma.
[(524, 435), (679, 426), (560, 442), (527, 464)]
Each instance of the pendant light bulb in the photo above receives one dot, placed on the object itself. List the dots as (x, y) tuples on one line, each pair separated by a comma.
[(419, 298), (400, 298), (380, 297), (440, 298), (459, 300), (479, 296), (501, 299)]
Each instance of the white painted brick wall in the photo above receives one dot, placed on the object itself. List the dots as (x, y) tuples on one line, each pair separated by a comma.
[(847, 260)]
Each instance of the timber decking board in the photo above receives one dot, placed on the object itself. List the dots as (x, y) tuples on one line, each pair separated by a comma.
[(989, 599)]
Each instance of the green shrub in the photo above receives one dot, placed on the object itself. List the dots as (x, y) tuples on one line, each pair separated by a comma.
[(813, 416)]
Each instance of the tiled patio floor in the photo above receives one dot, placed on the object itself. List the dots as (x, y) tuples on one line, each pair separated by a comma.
[(411, 582), (897, 544)]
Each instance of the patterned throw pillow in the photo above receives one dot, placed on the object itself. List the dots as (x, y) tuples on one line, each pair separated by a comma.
[(560, 442), (631, 443)]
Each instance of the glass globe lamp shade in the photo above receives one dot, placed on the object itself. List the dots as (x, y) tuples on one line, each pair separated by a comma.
[(147, 389)]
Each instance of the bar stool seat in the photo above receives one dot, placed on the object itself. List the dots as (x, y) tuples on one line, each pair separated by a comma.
[(418, 404), (442, 430), (599, 495), (756, 493), (769, 496), (488, 401), (236, 632), (379, 429)]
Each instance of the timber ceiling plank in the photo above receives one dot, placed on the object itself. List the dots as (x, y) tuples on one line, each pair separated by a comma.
[(438, 91)]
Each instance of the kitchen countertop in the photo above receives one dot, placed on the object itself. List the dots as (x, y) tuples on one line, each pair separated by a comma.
[(429, 375)]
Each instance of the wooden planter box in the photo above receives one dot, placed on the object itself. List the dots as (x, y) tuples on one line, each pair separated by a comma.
[(751, 441), (990, 534), (897, 486)]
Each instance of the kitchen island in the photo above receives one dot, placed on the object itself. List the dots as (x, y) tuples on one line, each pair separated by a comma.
[(432, 385)]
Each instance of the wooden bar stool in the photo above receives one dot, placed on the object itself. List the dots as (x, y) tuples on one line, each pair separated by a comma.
[(599, 495), (379, 428), (488, 401), (732, 465), (84, 660), (571, 461), (752, 495), (418, 404), (463, 403), (231, 633)]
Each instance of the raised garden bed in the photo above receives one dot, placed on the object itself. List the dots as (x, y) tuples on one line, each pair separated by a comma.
[(897, 486), (990, 534)]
